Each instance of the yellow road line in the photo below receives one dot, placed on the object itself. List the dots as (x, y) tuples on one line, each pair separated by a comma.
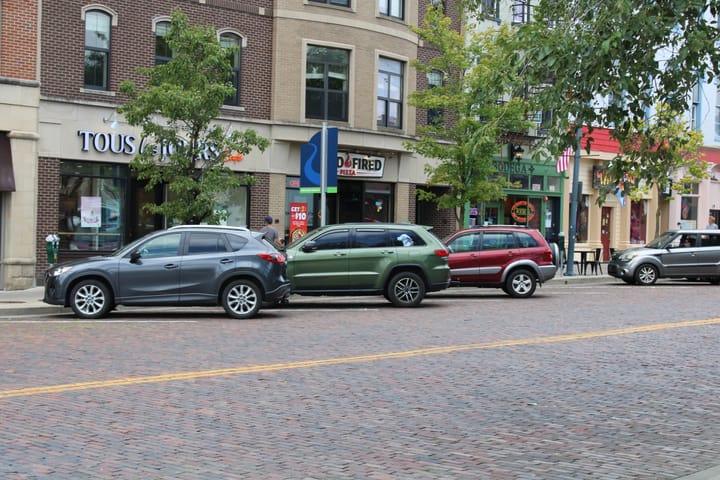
[(343, 360)]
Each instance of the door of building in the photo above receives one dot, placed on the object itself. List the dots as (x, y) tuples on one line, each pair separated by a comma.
[(605, 222)]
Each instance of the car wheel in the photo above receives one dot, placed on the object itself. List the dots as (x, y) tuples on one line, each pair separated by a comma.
[(520, 283), (241, 299), (646, 274), (406, 289), (91, 299)]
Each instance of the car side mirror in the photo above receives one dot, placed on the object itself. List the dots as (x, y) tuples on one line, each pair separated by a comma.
[(309, 246), (135, 256)]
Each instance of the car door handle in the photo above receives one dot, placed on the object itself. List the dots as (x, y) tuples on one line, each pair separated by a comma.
[(340, 254), (170, 266), (226, 260)]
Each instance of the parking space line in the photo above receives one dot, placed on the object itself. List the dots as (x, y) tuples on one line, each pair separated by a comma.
[(353, 359)]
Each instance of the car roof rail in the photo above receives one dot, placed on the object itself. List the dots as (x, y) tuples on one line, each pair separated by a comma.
[(220, 227), (499, 225)]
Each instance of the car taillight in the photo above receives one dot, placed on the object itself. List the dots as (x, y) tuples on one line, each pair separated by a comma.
[(441, 252), (272, 257)]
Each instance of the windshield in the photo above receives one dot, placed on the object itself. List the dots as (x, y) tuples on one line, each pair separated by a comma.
[(661, 241), (127, 248)]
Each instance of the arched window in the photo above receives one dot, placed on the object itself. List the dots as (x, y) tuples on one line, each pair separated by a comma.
[(233, 43), (163, 54), (97, 49)]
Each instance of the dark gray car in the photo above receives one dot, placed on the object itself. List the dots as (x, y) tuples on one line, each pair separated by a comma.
[(691, 254), (182, 266)]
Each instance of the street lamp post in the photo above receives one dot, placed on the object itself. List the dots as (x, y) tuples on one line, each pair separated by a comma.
[(574, 200)]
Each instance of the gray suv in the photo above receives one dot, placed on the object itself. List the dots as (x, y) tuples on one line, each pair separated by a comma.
[(192, 265), (693, 254)]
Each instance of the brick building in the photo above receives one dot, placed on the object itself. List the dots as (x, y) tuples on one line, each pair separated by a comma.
[(19, 99), (301, 62)]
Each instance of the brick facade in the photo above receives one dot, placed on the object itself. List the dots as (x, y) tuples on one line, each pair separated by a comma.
[(47, 209), (18, 39), (132, 45)]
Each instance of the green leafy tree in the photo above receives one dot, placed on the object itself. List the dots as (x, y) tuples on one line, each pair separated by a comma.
[(478, 105), (176, 108), (661, 154)]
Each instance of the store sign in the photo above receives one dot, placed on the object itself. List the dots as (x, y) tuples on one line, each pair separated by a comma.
[(522, 211), (358, 165), (120, 143), (298, 220)]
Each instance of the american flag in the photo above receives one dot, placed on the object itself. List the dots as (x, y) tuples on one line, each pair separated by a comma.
[(564, 160)]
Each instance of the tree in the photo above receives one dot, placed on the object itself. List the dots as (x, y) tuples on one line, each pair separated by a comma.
[(176, 108), (596, 62), (662, 153), (478, 109)]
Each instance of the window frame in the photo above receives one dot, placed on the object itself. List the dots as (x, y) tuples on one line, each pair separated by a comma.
[(326, 91), (385, 8), (161, 24), (383, 114), (336, 3), (90, 50), (236, 64)]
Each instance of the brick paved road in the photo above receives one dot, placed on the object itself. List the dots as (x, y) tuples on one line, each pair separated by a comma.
[(471, 385)]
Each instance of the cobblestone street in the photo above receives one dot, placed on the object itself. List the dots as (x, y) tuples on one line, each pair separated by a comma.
[(602, 381)]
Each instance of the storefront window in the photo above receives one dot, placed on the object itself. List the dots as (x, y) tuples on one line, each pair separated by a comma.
[(92, 214), (581, 225), (638, 222), (689, 209)]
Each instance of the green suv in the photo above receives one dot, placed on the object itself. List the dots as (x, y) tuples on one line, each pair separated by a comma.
[(402, 262)]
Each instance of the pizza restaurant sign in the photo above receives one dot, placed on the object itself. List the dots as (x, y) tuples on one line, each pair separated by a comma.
[(357, 165)]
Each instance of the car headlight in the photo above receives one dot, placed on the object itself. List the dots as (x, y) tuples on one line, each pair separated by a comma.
[(60, 270), (626, 257)]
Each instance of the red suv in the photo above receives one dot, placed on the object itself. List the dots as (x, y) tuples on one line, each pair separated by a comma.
[(510, 257)]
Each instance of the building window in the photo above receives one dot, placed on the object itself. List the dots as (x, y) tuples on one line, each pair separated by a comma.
[(490, 9), (393, 8), (435, 115), (233, 43), (390, 93), (326, 83), (521, 12), (92, 213), (97, 49), (163, 54), (438, 4), (340, 3)]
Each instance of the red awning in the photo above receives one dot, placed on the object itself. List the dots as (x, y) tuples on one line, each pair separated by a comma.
[(7, 176)]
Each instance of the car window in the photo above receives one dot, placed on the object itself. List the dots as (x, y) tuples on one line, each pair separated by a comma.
[(711, 240), (525, 240), (404, 237), (333, 240), (464, 243), (162, 246), (497, 240), (205, 242), (237, 242), (370, 238)]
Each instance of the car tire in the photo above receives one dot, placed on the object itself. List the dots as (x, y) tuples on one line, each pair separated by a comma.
[(242, 299), (520, 283), (91, 299), (406, 289), (646, 274)]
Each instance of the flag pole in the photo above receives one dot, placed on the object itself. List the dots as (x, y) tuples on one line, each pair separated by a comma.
[(323, 172), (574, 200)]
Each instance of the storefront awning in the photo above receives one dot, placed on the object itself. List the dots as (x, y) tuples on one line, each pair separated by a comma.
[(7, 176)]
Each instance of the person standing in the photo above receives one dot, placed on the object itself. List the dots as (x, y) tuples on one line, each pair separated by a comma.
[(711, 223), (269, 232)]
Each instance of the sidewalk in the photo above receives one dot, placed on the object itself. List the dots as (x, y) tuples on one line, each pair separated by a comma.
[(29, 302)]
